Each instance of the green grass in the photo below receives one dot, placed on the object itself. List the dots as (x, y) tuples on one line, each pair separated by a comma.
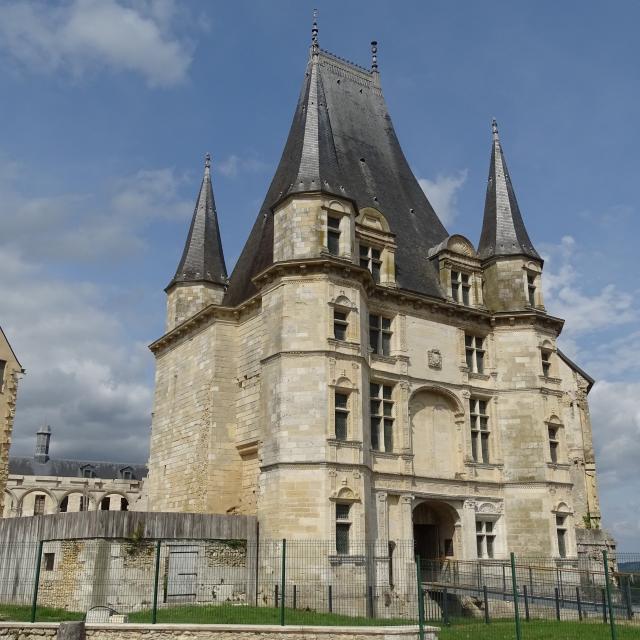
[(461, 629), (22, 613)]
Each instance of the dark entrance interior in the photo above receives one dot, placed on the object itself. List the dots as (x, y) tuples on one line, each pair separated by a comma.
[(434, 535)]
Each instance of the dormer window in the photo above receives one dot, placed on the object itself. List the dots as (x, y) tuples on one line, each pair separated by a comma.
[(461, 287), (371, 259), (126, 474), (88, 472)]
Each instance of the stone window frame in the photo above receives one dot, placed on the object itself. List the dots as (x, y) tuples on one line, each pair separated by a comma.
[(562, 520), (396, 445), (392, 317), (39, 504), (345, 387), (344, 305), (473, 431), (339, 212), (345, 496), (484, 533), (372, 230), (346, 523), (475, 336), (48, 561), (554, 422), (460, 284), (531, 282)]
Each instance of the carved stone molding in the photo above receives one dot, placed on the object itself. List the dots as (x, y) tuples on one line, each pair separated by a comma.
[(434, 359)]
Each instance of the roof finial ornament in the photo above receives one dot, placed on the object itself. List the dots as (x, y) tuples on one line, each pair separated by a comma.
[(494, 128), (314, 33), (374, 56), (207, 163)]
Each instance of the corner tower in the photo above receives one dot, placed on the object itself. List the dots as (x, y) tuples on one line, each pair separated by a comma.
[(512, 266), (201, 276)]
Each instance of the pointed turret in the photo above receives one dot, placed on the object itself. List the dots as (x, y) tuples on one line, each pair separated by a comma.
[(201, 277), (503, 230), (202, 259)]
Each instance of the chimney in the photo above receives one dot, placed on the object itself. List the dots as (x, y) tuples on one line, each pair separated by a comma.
[(43, 437)]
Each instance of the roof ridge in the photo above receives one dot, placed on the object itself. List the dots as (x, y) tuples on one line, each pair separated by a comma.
[(349, 62), (75, 460)]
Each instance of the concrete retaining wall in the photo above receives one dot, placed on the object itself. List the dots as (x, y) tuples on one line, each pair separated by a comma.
[(21, 631)]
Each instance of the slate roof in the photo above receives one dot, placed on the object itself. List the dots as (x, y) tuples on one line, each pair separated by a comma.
[(571, 364), (26, 466), (202, 259), (503, 230), (342, 143)]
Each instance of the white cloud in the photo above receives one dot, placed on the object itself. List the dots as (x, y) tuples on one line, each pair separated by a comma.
[(85, 376), (565, 294), (87, 227), (235, 164), (81, 35), (443, 194)]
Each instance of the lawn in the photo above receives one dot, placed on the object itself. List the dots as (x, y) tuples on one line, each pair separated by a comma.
[(465, 629)]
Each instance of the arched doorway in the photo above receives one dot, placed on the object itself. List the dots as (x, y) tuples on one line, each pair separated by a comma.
[(434, 531)]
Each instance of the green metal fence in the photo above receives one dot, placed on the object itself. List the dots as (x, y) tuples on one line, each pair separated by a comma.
[(293, 582)]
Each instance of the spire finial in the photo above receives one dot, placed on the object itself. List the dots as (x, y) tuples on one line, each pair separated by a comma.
[(207, 163), (494, 128), (314, 32), (374, 56)]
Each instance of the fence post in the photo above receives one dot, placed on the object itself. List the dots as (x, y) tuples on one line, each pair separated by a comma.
[(604, 606), (275, 596), (515, 596), (330, 594), (612, 622), (579, 601), (526, 603), (486, 604), (627, 597), (557, 598), (36, 582), (420, 599), (445, 607), (295, 596), (504, 583), (283, 577), (154, 611), (531, 581), (370, 597)]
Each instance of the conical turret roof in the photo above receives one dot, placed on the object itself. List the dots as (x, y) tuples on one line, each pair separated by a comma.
[(202, 259), (503, 230)]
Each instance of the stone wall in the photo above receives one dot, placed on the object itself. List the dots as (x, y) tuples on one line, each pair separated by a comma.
[(21, 631), (8, 394)]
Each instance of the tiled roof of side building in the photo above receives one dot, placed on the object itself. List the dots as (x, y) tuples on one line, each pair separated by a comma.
[(28, 466), (342, 143)]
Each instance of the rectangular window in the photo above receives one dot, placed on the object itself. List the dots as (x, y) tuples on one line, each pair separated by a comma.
[(83, 503), (3, 367), (105, 503), (380, 335), (343, 526), (341, 415), (479, 430), (561, 529), (49, 561), (333, 235), (546, 363), (531, 289), (382, 416), (554, 444), (371, 259), (340, 324), (460, 287), (474, 353), (127, 475), (485, 538), (124, 504), (38, 506)]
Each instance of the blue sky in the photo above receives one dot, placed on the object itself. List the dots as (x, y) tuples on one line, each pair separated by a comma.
[(108, 107)]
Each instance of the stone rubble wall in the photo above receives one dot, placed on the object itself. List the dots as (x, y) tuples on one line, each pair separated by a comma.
[(22, 631)]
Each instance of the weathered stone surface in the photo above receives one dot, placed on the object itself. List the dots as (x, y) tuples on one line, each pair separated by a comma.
[(71, 631)]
